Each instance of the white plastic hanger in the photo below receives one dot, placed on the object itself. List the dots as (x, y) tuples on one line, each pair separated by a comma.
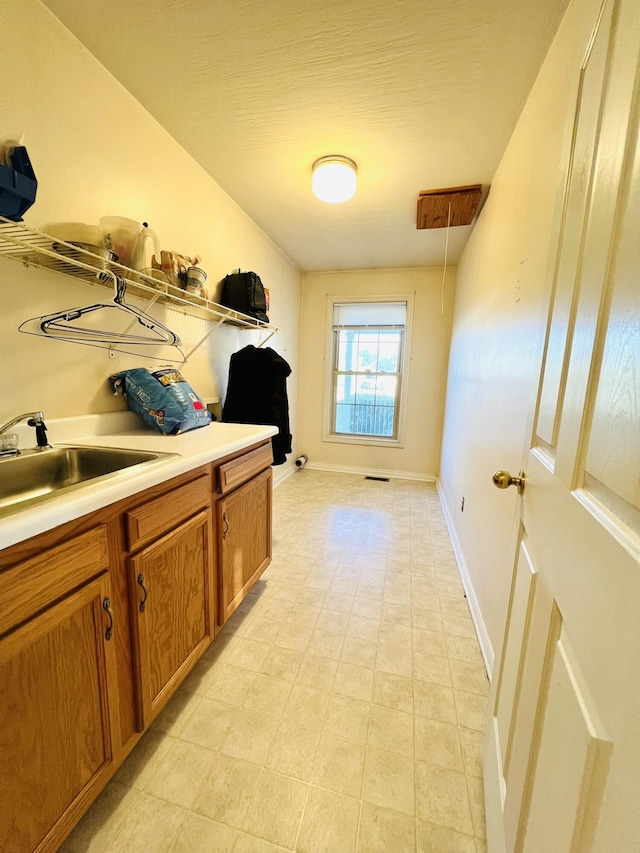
[(63, 326)]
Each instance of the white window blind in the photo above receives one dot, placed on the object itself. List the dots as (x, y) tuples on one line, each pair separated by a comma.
[(379, 315)]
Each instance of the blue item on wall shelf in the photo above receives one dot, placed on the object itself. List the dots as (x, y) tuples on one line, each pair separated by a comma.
[(18, 185)]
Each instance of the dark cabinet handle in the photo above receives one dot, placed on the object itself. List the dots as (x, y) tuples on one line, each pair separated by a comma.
[(226, 522), (143, 603), (106, 605)]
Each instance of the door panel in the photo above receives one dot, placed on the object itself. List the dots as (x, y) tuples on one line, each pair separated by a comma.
[(562, 756)]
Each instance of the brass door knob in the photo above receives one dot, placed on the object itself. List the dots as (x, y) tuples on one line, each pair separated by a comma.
[(503, 479)]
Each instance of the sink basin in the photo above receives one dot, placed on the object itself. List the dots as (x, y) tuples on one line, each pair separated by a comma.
[(32, 475)]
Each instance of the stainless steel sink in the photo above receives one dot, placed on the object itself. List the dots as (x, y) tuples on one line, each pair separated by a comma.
[(36, 475)]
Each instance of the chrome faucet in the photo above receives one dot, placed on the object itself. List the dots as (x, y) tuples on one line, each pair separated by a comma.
[(34, 419)]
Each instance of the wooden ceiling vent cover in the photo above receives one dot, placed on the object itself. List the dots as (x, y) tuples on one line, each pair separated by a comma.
[(433, 206)]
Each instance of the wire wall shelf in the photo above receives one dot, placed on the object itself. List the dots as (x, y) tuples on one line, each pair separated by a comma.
[(20, 242)]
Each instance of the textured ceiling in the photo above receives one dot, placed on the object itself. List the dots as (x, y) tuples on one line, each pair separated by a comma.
[(422, 95)]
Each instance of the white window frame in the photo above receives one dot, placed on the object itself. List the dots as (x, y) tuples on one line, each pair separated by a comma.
[(331, 351)]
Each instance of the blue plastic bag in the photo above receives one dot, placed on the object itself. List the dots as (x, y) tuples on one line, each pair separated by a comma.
[(162, 398)]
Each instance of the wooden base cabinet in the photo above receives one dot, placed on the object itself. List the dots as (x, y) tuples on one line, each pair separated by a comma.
[(244, 540), (57, 669), (173, 603)]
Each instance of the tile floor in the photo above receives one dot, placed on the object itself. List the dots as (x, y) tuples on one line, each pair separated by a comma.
[(341, 709)]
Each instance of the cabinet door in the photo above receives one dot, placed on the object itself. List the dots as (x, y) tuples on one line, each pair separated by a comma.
[(174, 601), (244, 524), (55, 727)]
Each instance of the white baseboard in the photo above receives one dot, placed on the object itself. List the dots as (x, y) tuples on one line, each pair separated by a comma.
[(371, 472), (283, 474), (483, 637)]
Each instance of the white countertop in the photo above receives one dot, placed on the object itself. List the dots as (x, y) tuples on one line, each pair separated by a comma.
[(125, 430)]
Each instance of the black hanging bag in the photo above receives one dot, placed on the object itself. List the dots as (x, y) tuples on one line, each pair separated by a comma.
[(244, 292)]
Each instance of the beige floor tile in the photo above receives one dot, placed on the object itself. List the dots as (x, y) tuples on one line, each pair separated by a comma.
[(250, 736), (200, 677), (339, 765), (330, 823), (433, 668), (464, 648), (389, 781), (174, 716), (304, 614), (230, 684), (476, 800), (310, 598), (307, 707), (274, 808), (427, 642), (325, 643), (369, 607), (354, 681), (451, 589), (469, 676), (384, 831), (209, 724), (262, 630), (434, 701), (436, 839), (442, 798), (359, 623), (472, 745), (267, 695), (438, 743), (294, 635), (363, 627), (181, 773), (282, 663), (460, 626), (397, 660), (395, 634), (223, 795), (333, 621), (359, 652), (393, 691), (293, 751), (391, 730), (248, 654), (151, 825), (348, 718), (455, 605), (96, 830), (471, 709), (338, 601), (398, 614), (141, 764), (199, 834)]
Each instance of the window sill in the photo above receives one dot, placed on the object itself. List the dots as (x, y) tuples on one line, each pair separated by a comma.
[(370, 440)]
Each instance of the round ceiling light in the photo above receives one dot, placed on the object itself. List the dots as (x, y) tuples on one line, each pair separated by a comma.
[(334, 178)]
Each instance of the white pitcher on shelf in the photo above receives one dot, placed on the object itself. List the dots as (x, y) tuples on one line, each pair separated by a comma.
[(129, 240)]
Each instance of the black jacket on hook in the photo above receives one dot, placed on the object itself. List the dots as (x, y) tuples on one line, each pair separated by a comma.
[(257, 394)]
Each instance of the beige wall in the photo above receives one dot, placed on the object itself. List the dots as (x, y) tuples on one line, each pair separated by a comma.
[(427, 368), (97, 152), (497, 334)]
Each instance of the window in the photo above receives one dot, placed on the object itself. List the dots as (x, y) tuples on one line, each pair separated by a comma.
[(367, 359)]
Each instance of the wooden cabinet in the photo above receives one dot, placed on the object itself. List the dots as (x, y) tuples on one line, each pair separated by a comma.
[(173, 590), (57, 708), (173, 604), (101, 619), (244, 541)]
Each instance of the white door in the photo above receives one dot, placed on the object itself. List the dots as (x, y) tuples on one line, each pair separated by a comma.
[(562, 754)]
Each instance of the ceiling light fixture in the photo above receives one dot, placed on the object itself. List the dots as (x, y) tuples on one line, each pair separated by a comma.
[(334, 178)]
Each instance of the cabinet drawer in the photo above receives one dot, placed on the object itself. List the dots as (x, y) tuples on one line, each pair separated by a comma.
[(243, 468), (30, 586), (166, 512)]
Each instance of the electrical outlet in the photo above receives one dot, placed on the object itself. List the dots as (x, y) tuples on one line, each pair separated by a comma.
[(462, 506)]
